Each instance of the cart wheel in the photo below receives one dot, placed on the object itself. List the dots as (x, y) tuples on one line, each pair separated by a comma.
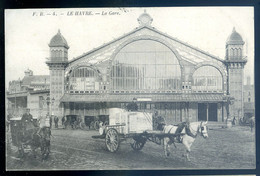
[(112, 140), (82, 125), (137, 145), (96, 125)]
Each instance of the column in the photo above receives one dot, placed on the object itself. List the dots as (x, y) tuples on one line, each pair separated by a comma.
[(222, 107), (207, 113), (188, 106)]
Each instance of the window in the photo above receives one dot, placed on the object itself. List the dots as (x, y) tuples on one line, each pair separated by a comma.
[(207, 78), (249, 99), (145, 65), (83, 79)]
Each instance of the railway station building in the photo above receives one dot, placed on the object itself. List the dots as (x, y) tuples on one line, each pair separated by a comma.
[(164, 74)]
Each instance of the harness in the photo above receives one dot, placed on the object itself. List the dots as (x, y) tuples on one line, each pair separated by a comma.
[(178, 131), (189, 133)]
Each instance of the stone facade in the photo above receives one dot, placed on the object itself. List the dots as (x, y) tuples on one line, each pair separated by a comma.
[(90, 84), (26, 93)]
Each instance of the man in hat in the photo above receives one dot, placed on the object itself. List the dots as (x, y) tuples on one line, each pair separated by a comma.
[(132, 106), (27, 117)]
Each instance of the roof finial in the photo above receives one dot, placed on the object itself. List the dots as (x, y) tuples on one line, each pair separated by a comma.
[(58, 31), (145, 19), (234, 29)]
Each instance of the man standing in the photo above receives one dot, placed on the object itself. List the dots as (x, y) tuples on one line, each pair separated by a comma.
[(44, 122), (56, 120)]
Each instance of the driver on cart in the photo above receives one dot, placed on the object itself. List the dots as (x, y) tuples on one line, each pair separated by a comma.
[(132, 106), (27, 117), (28, 125), (27, 120)]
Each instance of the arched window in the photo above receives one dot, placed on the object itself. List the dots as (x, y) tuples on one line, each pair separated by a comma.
[(56, 53), (239, 53), (83, 79), (60, 53), (145, 65), (207, 78), (236, 53), (231, 53)]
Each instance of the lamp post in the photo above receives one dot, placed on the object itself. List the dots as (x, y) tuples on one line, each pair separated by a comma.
[(230, 101), (48, 102)]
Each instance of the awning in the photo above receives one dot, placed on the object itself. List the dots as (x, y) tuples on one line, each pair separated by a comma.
[(206, 97)]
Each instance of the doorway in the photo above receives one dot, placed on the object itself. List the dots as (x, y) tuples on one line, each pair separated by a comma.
[(202, 112), (212, 112)]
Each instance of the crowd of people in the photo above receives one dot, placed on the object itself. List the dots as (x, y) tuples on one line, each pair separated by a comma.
[(44, 121)]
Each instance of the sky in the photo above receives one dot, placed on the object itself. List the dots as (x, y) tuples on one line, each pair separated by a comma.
[(29, 31)]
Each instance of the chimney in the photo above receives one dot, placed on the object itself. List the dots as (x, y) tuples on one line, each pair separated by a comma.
[(28, 72)]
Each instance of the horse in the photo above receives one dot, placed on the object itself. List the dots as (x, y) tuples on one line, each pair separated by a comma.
[(185, 135), (30, 137)]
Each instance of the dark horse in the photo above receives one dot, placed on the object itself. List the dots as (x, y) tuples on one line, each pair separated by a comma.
[(30, 137)]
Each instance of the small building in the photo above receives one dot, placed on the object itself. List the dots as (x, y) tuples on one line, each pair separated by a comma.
[(30, 92)]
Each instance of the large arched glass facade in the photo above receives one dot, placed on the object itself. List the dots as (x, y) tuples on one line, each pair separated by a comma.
[(145, 65), (82, 79), (207, 78)]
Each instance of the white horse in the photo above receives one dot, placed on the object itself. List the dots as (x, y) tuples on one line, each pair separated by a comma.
[(187, 136)]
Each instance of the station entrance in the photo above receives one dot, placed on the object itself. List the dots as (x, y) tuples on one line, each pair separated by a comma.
[(208, 112)]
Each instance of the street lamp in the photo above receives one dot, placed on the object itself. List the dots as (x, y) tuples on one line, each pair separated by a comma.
[(48, 102), (230, 101)]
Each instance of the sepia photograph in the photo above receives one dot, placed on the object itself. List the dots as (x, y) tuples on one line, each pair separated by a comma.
[(157, 88)]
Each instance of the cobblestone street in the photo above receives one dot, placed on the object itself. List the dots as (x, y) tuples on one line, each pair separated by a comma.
[(75, 149)]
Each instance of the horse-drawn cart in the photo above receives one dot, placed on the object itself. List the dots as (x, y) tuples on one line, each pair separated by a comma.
[(138, 127), (125, 125), (25, 135)]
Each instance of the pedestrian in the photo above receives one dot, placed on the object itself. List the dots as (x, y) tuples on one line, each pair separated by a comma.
[(44, 122), (234, 122), (51, 120), (63, 121), (252, 123), (56, 120)]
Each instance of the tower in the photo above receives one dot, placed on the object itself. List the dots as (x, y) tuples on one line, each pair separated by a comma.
[(57, 63), (235, 63)]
